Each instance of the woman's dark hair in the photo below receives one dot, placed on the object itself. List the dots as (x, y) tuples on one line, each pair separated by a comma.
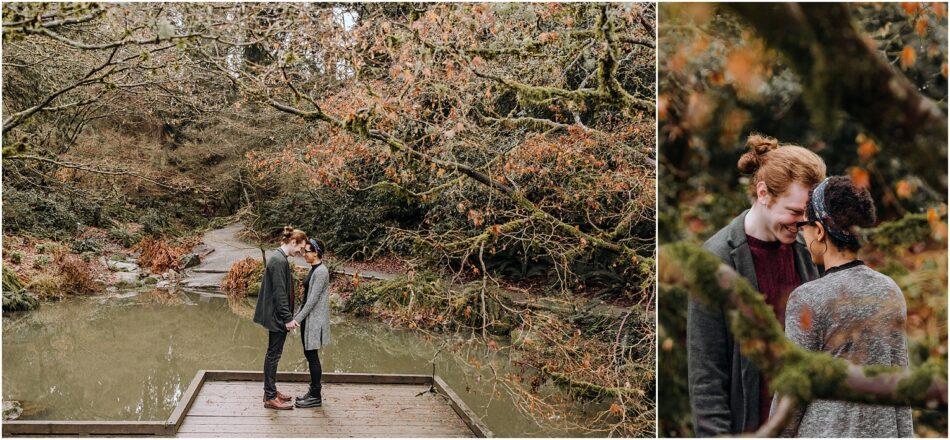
[(314, 245), (849, 206)]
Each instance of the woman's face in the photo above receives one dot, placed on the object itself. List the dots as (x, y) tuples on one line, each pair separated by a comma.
[(310, 256)]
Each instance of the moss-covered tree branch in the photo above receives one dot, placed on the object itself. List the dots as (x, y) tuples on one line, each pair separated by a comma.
[(800, 374)]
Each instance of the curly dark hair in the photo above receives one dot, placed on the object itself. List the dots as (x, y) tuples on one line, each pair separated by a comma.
[(849, 206)]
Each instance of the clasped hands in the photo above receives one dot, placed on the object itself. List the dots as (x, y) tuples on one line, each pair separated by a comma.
[(292, 324)]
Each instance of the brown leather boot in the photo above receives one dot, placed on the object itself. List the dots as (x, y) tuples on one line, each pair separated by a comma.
[(276, 403), (281, 396)]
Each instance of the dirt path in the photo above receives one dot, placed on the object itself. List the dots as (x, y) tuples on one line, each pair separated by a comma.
[(228, 247)]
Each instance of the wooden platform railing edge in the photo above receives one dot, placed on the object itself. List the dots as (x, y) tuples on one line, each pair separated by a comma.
[(170, 426), (464, 412)]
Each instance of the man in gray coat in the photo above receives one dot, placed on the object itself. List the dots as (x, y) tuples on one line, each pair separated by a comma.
[(728, 394), (275, 304)]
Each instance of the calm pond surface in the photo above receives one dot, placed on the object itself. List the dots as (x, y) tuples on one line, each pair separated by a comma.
[(132, 358)]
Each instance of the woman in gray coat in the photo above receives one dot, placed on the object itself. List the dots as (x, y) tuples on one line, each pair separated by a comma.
[(852, 312), (314, 320)]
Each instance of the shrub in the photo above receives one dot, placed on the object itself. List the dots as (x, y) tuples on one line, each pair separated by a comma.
[(43, 214), (244, 278), (84, 245), (15, 297), (124, 237), (158, 254), (41, 261), (16, 257), (153, 222), (47, 286), (352, 224), (77, 275), (48, 248)]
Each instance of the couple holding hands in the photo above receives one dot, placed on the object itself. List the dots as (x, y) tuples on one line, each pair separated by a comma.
[(275, 312)]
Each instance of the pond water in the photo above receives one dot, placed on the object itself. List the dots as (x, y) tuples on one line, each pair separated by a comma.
[(132, 358)]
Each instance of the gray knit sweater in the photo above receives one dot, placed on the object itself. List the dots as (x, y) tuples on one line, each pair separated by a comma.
[(856, 314)]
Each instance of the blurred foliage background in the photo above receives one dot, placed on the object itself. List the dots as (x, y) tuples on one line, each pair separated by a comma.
[(719, 81)]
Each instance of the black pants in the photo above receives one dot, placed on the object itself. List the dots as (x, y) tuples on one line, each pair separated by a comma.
[(275, 347), (313, 361)]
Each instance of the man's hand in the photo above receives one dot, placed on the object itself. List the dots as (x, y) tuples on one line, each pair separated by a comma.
[(292, 325)]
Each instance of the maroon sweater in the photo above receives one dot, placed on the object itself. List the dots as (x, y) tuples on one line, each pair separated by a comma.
[(777, 278)]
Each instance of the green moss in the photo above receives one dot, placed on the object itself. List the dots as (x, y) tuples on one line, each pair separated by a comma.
[(911, 229), (920, 379), (794, 372), (15, 297)]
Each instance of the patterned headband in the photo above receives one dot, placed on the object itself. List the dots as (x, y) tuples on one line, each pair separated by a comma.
[(817, 202)]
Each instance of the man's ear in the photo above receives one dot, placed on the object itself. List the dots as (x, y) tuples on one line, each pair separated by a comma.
[(762, 195)]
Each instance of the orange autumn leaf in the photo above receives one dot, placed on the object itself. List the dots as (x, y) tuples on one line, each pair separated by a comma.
[(615, 409), (932, 216), (943, 70), (904, 189), (867, 149), (860, 177), (908, 57), (805, 318), (938, 229), (744, 67), (921, 26), (939, 9), (662, 103), (910, 7)]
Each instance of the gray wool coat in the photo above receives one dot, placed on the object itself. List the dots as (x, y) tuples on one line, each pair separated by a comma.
[(724, 386), (859, 315), (315, 312), (273, 309)]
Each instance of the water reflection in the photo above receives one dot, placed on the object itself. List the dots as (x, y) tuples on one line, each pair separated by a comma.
[(132, 358)]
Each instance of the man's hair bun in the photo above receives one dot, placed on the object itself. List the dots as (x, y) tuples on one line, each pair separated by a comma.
[(758, 146)]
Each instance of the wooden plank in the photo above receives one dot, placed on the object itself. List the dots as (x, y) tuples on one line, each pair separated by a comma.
[(258, 387), (94, 427), (254, 410), (186, 401), (341, 430), (301, 376), (408, 391), (361, 419), (467, 415), (328, 401), (352, 435)]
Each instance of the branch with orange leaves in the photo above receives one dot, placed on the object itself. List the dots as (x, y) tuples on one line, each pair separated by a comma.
[(359, 124)]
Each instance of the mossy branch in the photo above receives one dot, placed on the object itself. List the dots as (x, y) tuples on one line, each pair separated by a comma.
[(795, 372), (586, 389)]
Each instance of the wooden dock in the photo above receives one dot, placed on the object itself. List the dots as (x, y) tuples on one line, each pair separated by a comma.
[(228, 404)]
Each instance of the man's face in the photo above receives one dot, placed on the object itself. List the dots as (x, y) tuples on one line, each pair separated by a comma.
[(782, 212), (297, 248)]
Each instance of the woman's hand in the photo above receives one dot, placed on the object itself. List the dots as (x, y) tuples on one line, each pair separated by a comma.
[(292, 324)]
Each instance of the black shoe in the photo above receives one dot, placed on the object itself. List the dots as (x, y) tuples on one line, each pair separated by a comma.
[(310, 394), (310, 402)]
